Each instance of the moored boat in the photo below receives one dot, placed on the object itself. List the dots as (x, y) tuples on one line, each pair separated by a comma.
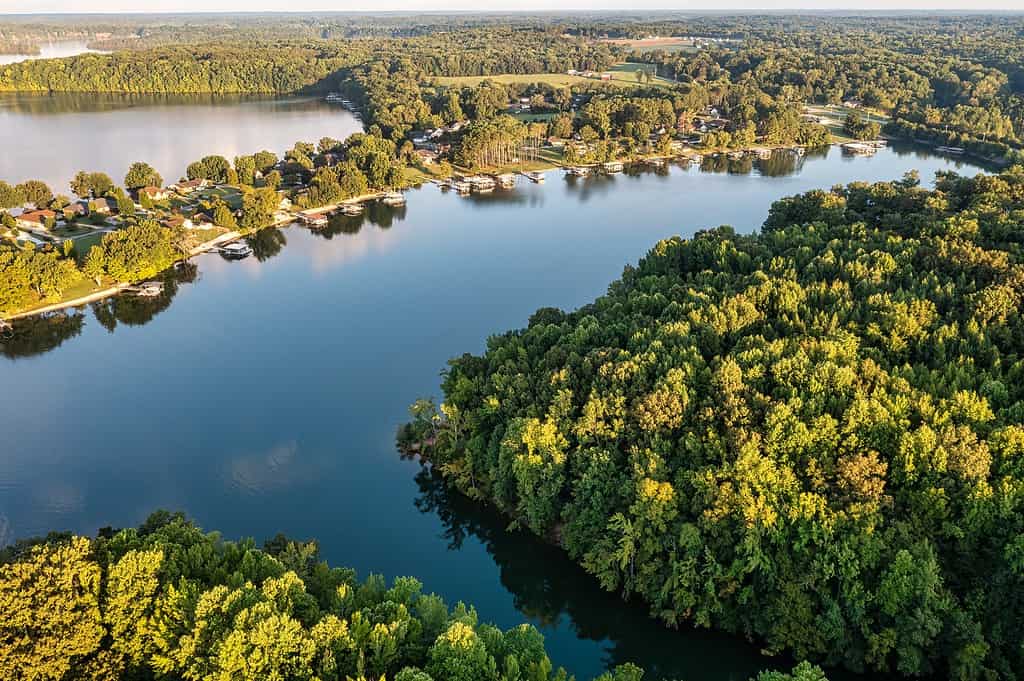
[(236, 250)]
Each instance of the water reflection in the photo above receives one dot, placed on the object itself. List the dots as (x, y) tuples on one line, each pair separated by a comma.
[(374, 213), (267, 243), (132, 310), (261, 472), (52, 50), (38, 335), (547, 588)]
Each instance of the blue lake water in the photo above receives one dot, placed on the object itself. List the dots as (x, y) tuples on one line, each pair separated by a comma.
[(262, 396)]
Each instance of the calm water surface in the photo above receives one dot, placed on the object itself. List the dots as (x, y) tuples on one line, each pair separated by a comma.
[(51, 137), (262, 396), (51, 50)]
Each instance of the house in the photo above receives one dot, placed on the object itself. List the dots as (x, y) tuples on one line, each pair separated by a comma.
[(201, 221), (78, 209), (606, 76), (285, 203), (154, 193), (176, 221), (35, 219), (426, 157), (189, 186), (103, 206)]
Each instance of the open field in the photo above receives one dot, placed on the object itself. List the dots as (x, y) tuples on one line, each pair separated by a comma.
[(554, 79), (669, 44), (623, 75), (833, 115)]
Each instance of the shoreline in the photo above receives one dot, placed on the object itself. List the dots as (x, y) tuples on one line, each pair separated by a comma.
[(293, 217), (113, 290)]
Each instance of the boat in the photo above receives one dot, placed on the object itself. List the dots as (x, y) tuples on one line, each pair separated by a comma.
[(147, 289), (858, 148), (461, 187), (535, 176), (956, 151), (799, 151), (656, 162), (577, 171), (735, 155), (351, 209), (334, 97), (506, 180), (236, 250), (314, 219), (480, 183), (393, 199), (612, 167), (6, 330), (696, 160)]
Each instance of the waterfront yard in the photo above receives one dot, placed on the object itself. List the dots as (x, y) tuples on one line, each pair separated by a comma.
[(832, 117)]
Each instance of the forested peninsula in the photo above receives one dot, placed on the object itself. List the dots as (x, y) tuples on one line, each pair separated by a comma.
[(169, 601), (812, 436)]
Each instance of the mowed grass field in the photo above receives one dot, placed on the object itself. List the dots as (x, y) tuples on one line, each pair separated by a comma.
[(833, 116), (649, 45), (623, 75)]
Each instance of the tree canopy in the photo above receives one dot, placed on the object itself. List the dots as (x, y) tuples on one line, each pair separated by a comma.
[(168, 601), (812, 434)]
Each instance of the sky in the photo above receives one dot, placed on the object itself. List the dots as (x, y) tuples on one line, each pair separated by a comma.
[(76, 6)]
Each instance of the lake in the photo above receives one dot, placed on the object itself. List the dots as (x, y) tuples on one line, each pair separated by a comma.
[(52, 50), (109, 132), (262, 396)]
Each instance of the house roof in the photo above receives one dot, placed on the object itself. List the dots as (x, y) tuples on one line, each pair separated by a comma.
[(38, 216), (174, 221)]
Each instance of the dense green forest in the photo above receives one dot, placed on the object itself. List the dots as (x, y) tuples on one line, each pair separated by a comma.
[(812, 436), (169, 601)]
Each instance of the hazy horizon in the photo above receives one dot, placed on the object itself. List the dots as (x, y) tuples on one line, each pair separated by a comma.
[(268, 6)]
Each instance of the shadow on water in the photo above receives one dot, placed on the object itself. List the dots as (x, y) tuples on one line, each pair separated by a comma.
[(59, 103), (267, 243), (547, 587), (38, 335), (132, 310), (374, 213)]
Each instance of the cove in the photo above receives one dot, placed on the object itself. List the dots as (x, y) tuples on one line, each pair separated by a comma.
[(262, 396)]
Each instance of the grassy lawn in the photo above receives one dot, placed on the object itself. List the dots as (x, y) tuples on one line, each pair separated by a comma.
[(534, 117), (83, 244), (623, 75), (200, 236), (229, 195), (553, 79), (646, 45), (833, 115), (549, 157)]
